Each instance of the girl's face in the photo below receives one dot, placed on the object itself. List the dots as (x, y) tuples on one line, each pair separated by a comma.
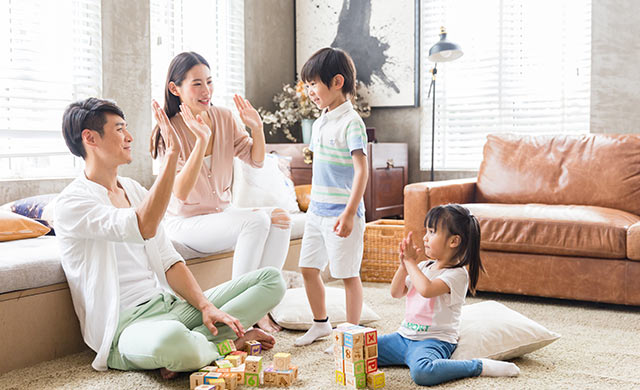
[(439, 244), (196, 89)]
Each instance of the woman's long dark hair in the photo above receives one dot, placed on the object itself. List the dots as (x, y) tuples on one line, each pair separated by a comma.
[(180, 65), (459, 221)]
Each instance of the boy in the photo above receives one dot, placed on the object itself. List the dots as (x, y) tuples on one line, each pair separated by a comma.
[(335, 223)]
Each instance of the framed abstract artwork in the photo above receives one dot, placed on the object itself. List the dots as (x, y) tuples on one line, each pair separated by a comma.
[(381, 36)]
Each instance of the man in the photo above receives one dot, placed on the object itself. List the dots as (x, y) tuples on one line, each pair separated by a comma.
[(124, 273)]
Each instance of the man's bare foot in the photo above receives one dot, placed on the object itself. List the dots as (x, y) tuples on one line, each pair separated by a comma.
[(166, 374), (268, 325), (259, 335)]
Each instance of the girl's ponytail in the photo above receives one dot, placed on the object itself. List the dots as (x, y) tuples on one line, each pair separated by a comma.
[(472, 253)]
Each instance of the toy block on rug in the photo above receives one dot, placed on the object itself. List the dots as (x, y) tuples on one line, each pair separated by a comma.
[(226, 347), (196, 379), (223, 363), (355, 350), (242, 354), (253, 364), (230, 380), (253, 347), (239, 373)]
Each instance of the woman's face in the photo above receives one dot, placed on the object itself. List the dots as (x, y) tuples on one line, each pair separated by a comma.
[(196, 89)]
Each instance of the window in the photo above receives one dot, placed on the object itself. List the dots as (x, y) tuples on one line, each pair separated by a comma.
[(51, 56), (525, 69), (212, 28)]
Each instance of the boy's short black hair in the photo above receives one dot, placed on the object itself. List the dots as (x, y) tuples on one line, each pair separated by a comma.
[(86, 114), (326, 64)]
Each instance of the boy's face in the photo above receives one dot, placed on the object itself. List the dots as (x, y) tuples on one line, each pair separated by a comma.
[(326, 96)]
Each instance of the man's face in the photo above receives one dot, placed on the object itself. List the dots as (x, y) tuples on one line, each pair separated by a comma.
[(114, 146)]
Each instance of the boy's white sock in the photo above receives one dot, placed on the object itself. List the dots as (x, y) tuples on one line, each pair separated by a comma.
[(317, 330), (498, 368)]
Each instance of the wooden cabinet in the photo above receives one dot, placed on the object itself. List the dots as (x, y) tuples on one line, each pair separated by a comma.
[(388, 174)]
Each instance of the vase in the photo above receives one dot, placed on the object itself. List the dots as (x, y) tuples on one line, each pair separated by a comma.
[(307, 126)]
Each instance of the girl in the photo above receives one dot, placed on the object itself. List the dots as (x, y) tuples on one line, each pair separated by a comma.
[(200, 215), (435, 293)]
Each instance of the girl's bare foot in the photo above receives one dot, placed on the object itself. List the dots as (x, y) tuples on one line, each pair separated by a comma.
[(259, 335), (166, 374), (268, 325)]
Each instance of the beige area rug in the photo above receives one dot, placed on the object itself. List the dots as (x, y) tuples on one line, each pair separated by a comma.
[(599, 349)]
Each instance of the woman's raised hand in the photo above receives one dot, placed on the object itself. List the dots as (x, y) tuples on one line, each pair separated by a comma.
[(196, 124), (248, 114), (168, 132)]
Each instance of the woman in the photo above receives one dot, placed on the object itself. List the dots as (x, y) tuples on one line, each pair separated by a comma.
[(200, 214)]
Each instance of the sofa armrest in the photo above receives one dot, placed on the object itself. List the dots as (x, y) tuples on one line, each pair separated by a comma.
[(633, 242), (419, 198)]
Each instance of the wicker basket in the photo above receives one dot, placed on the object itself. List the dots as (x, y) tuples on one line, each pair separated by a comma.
[(380, 257)]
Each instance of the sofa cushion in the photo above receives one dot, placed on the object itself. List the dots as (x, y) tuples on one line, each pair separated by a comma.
[(586, 231), (592, 169), (30, 263)]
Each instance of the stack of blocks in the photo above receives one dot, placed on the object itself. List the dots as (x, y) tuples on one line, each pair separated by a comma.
[(281, 373), (228, 372), (252, 370), (355, 349)]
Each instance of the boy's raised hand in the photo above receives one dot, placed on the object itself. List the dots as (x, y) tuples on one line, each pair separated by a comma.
[(248, 114)]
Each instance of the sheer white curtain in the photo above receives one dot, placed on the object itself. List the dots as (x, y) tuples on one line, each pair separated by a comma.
[(526, 69), (212, 28), (51, 55)]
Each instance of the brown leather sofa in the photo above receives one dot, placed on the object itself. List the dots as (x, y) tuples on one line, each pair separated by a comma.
[(559, 215)]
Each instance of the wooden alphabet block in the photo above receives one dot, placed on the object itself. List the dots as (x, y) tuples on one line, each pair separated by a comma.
[(371, 351), (338, 352), (239, 375), (217, 383), (253, 364), (372, 365), (354, 368), (370, 336), (338, 337), (284, 378), (251, 379), (353, 354), (295, 371), (235, 360), (226, 347), (208, 369), (340, 377), (354, 338), (205, 387), (356, 382), (253, 347), (224, 363), (223, 370), (209, 377), (196, 379), (282, 361), (339, 364), (242, 354), (270, 376), (375, 380), (230, 380)]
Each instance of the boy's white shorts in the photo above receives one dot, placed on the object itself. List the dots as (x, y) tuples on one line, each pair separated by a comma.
[(321, 245)]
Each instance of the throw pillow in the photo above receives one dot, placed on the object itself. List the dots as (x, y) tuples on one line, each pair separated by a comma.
[(303, 194), (39, 207), (15, 226), (293, 312), (492, 330), (268, 186)]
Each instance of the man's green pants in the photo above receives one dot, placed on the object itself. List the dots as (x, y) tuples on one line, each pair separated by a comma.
[(168, 332)]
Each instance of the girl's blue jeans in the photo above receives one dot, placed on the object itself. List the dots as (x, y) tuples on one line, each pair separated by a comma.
[(428, 360)]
